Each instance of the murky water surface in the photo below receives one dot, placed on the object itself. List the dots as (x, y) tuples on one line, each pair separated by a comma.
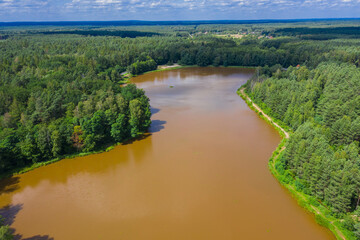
[(200, 174)]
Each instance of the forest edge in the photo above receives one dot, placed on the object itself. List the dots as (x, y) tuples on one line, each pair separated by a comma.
[(303, 200)]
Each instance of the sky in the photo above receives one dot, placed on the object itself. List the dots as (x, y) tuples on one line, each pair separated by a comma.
[(111, 10)]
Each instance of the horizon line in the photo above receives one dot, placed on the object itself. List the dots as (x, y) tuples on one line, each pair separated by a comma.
[(159, 21)]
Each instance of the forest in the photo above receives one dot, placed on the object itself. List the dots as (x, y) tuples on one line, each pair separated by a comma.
[(62, 92), (57, 104), (123, 34), (322, 107)]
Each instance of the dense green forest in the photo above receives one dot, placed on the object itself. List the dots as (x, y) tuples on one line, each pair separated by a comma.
[(322, 107), (123, 34), (57, 103), (61, 92)]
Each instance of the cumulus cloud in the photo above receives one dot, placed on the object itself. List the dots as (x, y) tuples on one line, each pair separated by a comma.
[(177, 9), (181, 4), (210, 4), (19, 5)]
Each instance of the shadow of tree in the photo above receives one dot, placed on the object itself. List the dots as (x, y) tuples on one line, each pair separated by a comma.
[(157, 126), (37, 237), (154, 110), (139, 138), (9, 184), (9, 214)]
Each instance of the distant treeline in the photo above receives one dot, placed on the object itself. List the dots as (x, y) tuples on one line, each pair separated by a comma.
[(167, 23), (314, 33), (123, 34), (327, 30)]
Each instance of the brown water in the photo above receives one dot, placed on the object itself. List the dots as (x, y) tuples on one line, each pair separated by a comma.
[(201, 174)]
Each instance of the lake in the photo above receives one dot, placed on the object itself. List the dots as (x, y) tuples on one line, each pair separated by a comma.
[(200, 173)]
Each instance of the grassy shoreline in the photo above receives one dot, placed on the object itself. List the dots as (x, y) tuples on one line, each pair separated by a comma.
[(21, 170), (320, 211)]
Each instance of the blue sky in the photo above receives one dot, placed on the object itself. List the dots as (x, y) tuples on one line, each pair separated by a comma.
[(104, 10)]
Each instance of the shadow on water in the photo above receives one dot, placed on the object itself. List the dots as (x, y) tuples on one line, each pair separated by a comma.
[(9, 185), (37, 237), (157, 126), (9, 214), (139, 138), (154, 110)]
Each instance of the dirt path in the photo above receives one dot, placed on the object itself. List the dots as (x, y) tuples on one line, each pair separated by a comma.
[(286, 134), (264, 114)]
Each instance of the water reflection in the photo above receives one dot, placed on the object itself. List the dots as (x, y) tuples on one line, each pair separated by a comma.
[(9, 184)]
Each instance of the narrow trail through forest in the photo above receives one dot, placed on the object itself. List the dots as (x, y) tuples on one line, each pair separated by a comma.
[(264, 114), (287, 135)]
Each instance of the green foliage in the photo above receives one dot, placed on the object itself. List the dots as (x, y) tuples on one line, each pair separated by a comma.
[(60, 95), (322, 155), (135, 117), (349, 223), (280, 167), (49, 128), (298, 185), (120, 129), (139, 67), (123, 34), (314, 202), (5, 232), (357, 230)]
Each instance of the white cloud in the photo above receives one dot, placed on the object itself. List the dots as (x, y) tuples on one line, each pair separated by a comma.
[(181, 9)]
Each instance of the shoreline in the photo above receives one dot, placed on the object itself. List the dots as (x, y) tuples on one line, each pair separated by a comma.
[(307, 202), (22, 170), (161, 68), (109, 147), (106, 148)]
